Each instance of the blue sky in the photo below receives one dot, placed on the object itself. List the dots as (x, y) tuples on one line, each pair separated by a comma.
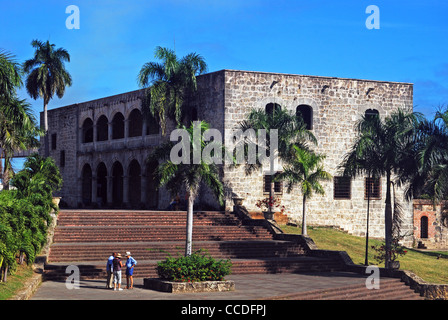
[(312, 37)]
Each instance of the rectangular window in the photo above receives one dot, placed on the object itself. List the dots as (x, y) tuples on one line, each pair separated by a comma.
[(342, 188), (53, 141), (278, 185), (372, 185), (62, 159)]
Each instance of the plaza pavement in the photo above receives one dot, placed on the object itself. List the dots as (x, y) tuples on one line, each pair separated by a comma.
[(247, 287)]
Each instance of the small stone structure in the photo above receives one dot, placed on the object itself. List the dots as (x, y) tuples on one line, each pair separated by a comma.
[(430, 224), (101, 146)]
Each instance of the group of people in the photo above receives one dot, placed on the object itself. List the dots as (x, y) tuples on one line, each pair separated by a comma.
[(113, 268)]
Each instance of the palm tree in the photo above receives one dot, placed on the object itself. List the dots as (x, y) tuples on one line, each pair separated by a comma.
[(384, 148), (10, 75), (170, 84), (18, 131), (188, 176), (290, 130), (47, 76), (10, 80), (431, 173), (306, 171)]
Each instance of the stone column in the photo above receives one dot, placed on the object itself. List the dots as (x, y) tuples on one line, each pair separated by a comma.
[(94, 136), (143, 180), (126, 130), (94, 188), (125, 190), (109, 131), (110, 188)]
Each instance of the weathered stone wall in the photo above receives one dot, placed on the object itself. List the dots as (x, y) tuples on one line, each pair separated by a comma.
[(337, 106)]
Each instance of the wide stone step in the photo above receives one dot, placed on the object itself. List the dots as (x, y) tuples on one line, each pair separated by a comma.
[(111, 218), (390, 289), (147, 268), (159, 250), (157, 233)]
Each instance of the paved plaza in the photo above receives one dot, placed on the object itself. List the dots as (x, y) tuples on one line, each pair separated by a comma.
[(247, 287)]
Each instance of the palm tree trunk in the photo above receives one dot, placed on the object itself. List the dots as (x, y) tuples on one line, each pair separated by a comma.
[(366, 261), (388, 222), (46, 137), (304, 217), (189, 241)]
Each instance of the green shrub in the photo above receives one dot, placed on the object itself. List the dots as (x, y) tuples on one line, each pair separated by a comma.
[(196, 267)]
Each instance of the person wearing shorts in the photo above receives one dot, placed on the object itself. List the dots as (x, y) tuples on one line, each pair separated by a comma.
[(130, 263), (117, 265)]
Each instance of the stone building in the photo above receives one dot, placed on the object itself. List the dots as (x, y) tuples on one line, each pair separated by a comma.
[(101, 145)]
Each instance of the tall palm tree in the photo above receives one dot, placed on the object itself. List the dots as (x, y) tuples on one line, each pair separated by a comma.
[(10, 75), (188, 176), (431, 174), (10, 80), (18, 131), (304, 170), (170, 84), (47, 76), (290, 131), (384, 148)]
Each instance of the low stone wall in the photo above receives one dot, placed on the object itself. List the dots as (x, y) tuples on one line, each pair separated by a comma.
[(188, 287)]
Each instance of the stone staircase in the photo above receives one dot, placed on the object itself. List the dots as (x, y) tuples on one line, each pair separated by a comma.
[(390, 289), (86, 238)]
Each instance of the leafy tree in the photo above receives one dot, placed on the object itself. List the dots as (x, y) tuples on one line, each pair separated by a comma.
[(25, 211), (430, 175), (187, 176), (47, 76), (170, 84), (305, 171)]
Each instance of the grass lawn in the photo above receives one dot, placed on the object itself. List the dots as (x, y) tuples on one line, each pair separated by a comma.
[(424, 264), (15, 282)]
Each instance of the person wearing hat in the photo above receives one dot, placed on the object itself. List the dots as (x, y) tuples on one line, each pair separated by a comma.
[(130, 263), (117, 265), (109, 270)]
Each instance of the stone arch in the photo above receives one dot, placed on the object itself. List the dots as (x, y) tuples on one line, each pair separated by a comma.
[(305, 112), (369, 113), (152, 193), (87, 131), (101, 180), (363, 109), (102, 128), (117, 184), (135, 183), (86, 184), (118, 126), (270, 107), (135, 123)]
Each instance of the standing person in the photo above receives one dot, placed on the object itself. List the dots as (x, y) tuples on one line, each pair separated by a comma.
[(130, 263), (109, 270), (117, 272)]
